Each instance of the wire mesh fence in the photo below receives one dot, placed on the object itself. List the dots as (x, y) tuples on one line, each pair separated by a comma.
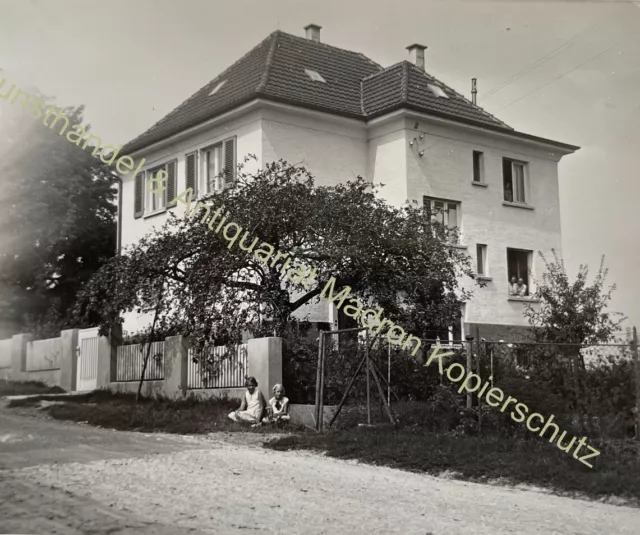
[(591, 388)]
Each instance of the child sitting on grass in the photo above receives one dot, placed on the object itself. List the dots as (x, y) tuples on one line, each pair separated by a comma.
[(278, 408), (252, 405)]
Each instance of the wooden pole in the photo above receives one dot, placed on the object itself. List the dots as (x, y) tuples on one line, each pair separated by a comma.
[(636, 358), (469, 368), (324, 354), (318, 373), (389, 376), (366, 349)]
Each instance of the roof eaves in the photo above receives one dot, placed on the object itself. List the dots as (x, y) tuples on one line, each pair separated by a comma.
[(495, 128)]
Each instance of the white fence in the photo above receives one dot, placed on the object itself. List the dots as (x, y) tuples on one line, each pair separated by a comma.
[(44, 354), (217, 367), (130, 360)]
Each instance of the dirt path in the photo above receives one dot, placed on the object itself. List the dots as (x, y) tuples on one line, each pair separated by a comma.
[(208, 485)]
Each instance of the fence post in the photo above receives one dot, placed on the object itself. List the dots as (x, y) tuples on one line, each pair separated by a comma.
[(69, 359), (636, 358), (176, 355), (264, 358), (469, 348), (19, 356)]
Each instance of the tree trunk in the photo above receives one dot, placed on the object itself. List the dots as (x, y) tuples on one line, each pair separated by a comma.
[(146, 357)]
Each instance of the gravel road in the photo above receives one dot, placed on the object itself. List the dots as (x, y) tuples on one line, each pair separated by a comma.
[(135, 483)]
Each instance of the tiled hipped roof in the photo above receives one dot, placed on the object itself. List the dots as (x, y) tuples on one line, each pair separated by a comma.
[(354, 86)]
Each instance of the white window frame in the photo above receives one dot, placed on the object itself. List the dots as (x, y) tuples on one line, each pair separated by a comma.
[(203, 166), (525, 181), (432, 202), (149, 195)]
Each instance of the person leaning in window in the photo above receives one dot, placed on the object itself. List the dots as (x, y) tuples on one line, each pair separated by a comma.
[(521, 287), (513, 286)]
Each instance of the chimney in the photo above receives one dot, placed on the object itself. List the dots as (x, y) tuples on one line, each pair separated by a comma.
[(313, 32), (416, 55)]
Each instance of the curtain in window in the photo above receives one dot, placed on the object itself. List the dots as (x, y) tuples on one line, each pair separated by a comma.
[(214, 166), (518, 179)]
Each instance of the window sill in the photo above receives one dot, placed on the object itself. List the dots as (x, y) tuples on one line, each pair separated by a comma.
[(523, 299), (481, 184), (457, 246), (518, 205), (153, 214), (484, 278)]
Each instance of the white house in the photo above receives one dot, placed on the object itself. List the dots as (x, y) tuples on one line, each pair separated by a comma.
[(342, 115)]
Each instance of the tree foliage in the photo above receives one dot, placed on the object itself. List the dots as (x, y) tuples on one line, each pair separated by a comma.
[(573, 312), (57, 221), (396, 258)]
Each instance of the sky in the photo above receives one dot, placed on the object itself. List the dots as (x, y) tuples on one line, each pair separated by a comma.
[(567, 70)]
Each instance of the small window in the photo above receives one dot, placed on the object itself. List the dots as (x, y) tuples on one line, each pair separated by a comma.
[(478, 166), (481, 254), (518, 268), (437, 91), (514, 177), (217, 88), (314, 76)]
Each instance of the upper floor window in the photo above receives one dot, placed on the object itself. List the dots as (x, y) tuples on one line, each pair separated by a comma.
[(514, 174), (478, 166), (218, 166), (159, 187)]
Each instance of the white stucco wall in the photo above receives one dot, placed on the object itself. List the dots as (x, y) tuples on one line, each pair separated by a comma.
[(333, 149), (446, 171)]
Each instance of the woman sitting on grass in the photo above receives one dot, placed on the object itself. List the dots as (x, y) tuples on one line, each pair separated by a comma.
[(278, 408), (252, 405)]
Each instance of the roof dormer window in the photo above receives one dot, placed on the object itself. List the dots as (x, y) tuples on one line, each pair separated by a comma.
[(437, 91), (314, 76), (217, 88)]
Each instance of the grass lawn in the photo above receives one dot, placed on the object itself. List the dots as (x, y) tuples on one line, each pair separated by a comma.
[(119, 411), (481, 459), (19, 388)]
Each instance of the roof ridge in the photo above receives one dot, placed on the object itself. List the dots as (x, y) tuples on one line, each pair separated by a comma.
[(326, 45), (404, 84), (270, 55), (433, 78), (381, 71)]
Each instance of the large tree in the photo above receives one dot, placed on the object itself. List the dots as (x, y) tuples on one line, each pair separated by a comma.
[(396, 258), (57, 221)]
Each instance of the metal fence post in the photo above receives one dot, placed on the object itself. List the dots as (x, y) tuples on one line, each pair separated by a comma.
[(636, 358)]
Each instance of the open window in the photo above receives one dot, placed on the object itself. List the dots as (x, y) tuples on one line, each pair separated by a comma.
[(518, 270), (514, 175)]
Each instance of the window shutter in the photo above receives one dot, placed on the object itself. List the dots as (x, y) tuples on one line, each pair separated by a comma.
[(138, 205), (171, 184), (229, 163), (191, 173)]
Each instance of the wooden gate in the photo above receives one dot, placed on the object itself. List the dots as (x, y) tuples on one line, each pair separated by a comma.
[(87, 376)]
